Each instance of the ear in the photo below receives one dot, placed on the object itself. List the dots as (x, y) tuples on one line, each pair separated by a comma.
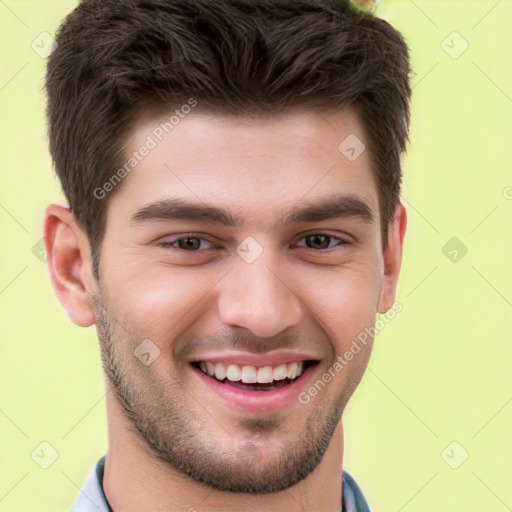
[(392, 255), (69, 264)]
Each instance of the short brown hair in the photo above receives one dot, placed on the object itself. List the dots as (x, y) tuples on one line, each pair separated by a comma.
[(116, 58)]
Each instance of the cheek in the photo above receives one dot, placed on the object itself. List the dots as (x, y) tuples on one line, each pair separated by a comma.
[(345, 303), (157, 301)]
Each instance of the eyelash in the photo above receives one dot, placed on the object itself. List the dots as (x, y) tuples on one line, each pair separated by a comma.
[(170, 244)]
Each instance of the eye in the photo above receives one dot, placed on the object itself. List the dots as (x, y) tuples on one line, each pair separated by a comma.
[(187, 243), (314, 241), (322, 241)]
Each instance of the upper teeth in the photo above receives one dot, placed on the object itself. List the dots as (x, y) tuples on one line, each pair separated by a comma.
[(249, 374)]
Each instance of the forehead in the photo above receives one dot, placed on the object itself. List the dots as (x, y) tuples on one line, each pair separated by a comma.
[(252, 162)]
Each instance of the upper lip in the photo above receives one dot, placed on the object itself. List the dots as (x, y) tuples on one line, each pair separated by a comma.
[(251, 358)]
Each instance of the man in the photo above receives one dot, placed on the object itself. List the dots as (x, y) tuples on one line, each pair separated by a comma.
[(234, 224)]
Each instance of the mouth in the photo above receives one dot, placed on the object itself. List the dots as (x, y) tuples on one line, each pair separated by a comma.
[(270, 386), (255, 378)]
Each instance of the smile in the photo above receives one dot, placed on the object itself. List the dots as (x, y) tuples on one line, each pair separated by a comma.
[(254, 383), (255, 378)]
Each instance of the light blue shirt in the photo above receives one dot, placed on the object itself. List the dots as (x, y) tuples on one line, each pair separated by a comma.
[(92, 497)]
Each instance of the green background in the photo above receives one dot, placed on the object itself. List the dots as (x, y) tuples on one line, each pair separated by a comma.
[(440, 371)]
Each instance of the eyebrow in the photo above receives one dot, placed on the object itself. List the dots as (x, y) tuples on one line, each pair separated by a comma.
[(330, 207)]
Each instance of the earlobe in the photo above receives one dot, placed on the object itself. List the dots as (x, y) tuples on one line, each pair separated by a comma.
[(68, 261), (392, 255)]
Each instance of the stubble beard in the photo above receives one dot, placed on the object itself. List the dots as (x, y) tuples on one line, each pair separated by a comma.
[(159, 414)]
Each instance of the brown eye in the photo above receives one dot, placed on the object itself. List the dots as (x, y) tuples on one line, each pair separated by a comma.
[(321, 241), (188, 243), (318, 241)]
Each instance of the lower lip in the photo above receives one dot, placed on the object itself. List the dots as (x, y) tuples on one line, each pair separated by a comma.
[(258, 401)]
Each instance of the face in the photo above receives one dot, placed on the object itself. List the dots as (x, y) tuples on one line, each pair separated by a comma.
[(241, 258)]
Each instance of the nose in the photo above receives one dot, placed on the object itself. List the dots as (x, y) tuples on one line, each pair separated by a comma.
[(257, 297)]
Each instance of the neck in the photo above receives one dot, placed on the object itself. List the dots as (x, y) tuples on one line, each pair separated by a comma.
[(135, 480)]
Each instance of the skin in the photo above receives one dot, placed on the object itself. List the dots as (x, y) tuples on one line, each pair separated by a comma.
[(163, 421)]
